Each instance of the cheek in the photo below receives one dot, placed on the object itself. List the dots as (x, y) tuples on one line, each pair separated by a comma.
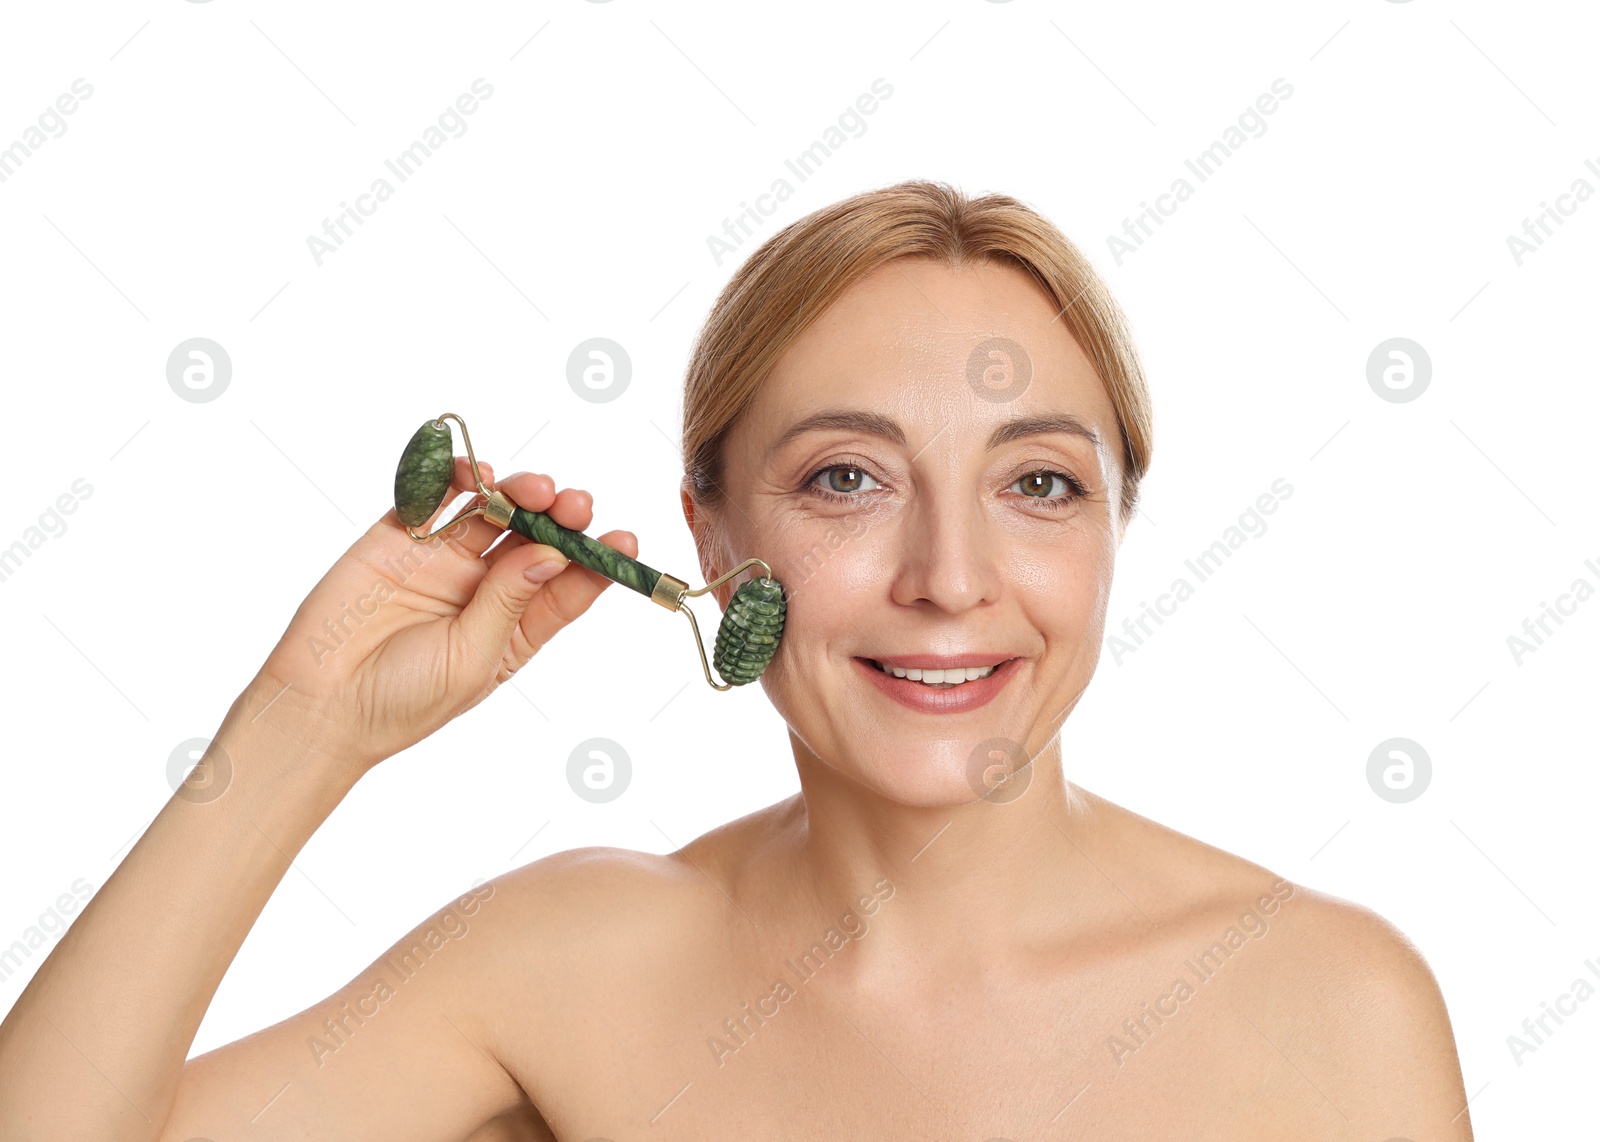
[(826, 562), (1066, 587), (833, 573)]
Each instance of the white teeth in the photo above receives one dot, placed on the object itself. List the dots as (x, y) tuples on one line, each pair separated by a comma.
[(951, 677)]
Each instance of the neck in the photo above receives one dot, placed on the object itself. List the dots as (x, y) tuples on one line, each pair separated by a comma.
[(949, 885)]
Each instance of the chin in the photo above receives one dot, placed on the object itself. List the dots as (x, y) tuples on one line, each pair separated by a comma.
[(922, 778)]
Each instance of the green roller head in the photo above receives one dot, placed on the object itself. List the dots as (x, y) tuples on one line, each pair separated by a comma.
[(751, 627), (422, 480)]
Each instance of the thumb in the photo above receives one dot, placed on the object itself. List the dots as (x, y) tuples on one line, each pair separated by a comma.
[(504, 594)]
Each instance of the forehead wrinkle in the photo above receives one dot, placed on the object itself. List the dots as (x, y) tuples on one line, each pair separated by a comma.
[(877, 424)]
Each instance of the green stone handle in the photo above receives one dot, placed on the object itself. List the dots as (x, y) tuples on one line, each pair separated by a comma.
[(590, 553), (751, 626)]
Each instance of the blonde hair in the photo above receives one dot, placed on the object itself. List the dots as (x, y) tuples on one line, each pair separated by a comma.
[(795, 274)]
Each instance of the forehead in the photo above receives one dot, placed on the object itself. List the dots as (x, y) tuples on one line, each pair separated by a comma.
[(931, 344)]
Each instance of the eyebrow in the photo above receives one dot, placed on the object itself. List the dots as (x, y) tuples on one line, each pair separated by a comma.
[(876, 424)]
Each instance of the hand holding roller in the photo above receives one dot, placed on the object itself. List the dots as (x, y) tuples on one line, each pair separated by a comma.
[(751, 627)]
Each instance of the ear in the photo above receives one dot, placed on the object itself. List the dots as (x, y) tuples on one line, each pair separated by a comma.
[(1123, 514), (707, 542)]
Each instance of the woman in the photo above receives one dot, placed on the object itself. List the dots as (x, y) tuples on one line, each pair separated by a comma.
[(926, 414)]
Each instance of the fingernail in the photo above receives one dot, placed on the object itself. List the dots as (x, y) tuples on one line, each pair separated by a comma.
[(540, 572)]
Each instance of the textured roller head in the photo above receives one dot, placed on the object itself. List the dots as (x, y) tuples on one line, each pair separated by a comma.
[(751, 627), (422, 480)]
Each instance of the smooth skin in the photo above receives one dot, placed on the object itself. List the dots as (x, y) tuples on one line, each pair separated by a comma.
[(973, 962)]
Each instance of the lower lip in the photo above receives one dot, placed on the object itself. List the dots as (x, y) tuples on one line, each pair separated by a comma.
[(934, 700)]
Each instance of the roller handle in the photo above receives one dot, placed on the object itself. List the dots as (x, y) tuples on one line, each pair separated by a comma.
[(591, 553)]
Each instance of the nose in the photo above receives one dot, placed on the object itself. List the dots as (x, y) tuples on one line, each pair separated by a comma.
[(949, 554)]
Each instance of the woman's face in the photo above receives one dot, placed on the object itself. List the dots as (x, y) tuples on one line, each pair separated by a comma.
[(912, 470)]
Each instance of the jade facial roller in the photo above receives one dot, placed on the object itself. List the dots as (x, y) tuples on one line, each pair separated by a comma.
[(751, 626)]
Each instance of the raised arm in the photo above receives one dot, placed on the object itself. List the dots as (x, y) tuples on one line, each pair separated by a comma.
[(95, 1046)]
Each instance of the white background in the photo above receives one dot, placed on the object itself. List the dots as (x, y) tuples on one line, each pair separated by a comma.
[(578, 203)]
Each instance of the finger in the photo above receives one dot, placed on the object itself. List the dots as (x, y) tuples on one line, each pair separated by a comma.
[(532, 490), (473, 535), (499, 604), (509, 541), (573, 508), (536, 492), (526, 490), (570, 593)]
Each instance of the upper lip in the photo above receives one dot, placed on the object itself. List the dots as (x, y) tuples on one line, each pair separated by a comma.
[(942, 661)]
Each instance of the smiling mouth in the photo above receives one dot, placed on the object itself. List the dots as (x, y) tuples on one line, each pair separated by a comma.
[(938, 679)]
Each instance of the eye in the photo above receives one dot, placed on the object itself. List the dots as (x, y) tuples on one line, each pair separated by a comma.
[(1049, 489), (840, 482), (1042, 486)]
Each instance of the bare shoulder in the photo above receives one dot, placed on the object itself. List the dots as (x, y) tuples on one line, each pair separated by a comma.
[(604, 953), (584, 911), (1348, 995), (602, 891), (586, 877), (1334, 994)]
